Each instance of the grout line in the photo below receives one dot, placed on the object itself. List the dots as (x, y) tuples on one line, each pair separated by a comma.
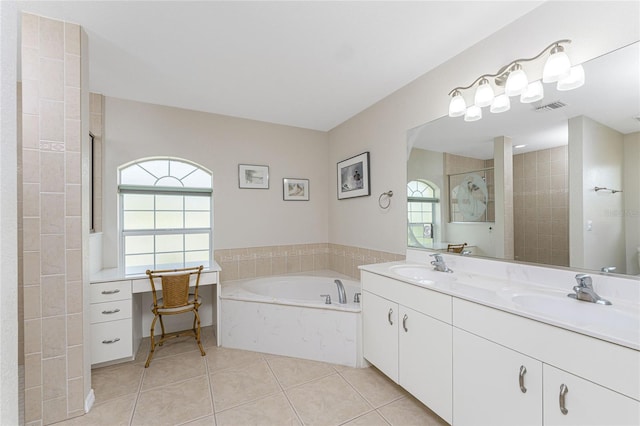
[(135, 402)]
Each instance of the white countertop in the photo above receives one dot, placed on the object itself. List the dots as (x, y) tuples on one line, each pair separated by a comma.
[(117, 274), (618, 323)]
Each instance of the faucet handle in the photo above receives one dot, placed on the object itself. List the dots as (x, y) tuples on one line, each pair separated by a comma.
[(438, 257), (356, 297), (327, 298), (584, 280)]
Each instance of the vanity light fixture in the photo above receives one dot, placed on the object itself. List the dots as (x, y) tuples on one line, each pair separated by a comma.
[(515, 81)]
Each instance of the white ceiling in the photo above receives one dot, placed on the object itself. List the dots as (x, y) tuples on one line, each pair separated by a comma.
[(300, 63)]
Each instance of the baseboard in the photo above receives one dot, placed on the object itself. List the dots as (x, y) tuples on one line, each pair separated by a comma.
[(89, 400)]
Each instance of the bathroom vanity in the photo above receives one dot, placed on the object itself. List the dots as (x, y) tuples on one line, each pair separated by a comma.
[(502, 349)]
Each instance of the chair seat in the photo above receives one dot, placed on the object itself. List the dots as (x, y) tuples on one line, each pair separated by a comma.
[(189, 305)]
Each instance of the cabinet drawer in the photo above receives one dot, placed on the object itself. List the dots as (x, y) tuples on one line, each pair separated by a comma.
[(432, 303), (109, 291), (111, 340), (110, 311)]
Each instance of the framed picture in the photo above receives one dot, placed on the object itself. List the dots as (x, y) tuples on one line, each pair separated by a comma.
[(295, 189), (353, 177), (256, 177)]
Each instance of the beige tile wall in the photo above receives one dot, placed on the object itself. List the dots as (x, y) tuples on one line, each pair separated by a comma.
[(276, 260), (50, 218), (541, 200)]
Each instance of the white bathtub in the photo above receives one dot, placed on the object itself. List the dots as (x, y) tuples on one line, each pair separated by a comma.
[(285, 315)]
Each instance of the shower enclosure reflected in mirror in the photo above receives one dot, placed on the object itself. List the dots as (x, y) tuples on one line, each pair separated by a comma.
[(566, 190)]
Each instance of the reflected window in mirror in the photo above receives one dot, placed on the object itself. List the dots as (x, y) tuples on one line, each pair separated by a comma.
[(422, 208)]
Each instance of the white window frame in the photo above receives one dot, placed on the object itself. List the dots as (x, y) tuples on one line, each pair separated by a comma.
[(124, 189)]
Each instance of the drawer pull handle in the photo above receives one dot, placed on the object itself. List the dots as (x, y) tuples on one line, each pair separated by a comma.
[(113, 311), (111, 291), (563, 391), (404, 322), (108, 342), (523, 371), (389, 316)]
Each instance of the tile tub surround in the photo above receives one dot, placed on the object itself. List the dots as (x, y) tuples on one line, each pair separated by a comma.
[(246, 388), (255, 262)]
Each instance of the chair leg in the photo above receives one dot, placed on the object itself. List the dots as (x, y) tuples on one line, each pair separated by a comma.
[(161, 326), (153, 342), (197, 331)]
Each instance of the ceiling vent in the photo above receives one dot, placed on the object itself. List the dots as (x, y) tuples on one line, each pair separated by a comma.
[(551, 106)]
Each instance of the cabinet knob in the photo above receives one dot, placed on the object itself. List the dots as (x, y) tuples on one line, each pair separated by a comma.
[(563, 391), (389, 316), (523, 371)]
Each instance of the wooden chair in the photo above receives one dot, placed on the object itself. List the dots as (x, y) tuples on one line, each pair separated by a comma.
[(176, 299), (456, 248)]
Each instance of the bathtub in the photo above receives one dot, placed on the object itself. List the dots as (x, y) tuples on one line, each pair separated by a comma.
[(285, 315)]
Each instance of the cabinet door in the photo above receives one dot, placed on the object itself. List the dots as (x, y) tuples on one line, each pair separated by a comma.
[(380, 333), (425, 360), (585, 403), (486, 384)]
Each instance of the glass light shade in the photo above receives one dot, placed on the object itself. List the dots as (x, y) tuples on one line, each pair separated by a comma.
[(484, 94), (517, 82), (574, 80), (457, 106), (557, 66), (501, 103), (534, 92), (474, 113)]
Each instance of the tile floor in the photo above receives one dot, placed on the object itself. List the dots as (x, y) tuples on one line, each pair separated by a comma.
[(234, 387)]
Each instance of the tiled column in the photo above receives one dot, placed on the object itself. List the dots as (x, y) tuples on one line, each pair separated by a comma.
[(52, 225)]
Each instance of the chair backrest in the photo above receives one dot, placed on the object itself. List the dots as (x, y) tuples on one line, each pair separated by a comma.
[(175, 285), (456, 248)]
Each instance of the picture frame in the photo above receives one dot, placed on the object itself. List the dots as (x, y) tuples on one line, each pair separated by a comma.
[(353, 177), (295, 189), (251, 176)]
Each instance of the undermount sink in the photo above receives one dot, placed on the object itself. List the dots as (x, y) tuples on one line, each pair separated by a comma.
[(561, 307), (419, 273)]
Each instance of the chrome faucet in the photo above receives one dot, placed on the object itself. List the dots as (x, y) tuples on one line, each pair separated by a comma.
[(439, 264), (608, 269), (342, 295), (584, 291)]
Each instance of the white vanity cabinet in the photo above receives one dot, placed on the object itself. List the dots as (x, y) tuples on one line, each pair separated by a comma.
[(585, 403), (407, 336), (494, 385), (601, 379), (111, 321)]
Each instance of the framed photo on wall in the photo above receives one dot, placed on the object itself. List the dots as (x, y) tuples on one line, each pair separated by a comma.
[(353, 177), (251, 176), (295, 189)]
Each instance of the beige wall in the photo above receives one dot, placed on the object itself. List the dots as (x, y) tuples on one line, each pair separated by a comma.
[(52, 225), (381, 129), (631, 212), (593, 219), (242, 217)]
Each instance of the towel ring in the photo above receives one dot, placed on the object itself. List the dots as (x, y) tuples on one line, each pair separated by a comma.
[(389, 194)]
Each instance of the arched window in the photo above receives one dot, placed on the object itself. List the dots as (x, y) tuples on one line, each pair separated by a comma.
[(421, 208), (165, 214)]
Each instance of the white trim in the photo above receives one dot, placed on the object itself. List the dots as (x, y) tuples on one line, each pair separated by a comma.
[(89, 400)]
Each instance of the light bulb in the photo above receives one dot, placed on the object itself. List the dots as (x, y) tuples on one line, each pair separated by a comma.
[(457, 106), (534, 92), (484, 94), (557, 66), (501, 103), (474, 113), (574, 80), (517, 81)]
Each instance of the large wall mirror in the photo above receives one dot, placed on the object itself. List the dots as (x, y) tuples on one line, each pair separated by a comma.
[(555, 182)]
